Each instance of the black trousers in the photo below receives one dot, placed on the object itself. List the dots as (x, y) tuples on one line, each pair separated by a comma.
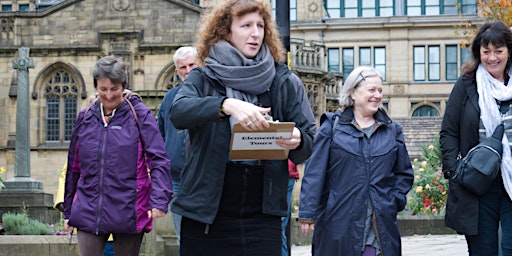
[(240, 228)]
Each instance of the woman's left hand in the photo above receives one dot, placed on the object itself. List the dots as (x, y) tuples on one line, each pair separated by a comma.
[(293, 142), (155, 213)]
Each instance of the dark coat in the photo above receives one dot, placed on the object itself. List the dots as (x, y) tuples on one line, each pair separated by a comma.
[(203, 175), (175, 139), (459, 133), (345, 172)]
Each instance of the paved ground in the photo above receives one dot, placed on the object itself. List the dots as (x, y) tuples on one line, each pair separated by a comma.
[(439, 245)]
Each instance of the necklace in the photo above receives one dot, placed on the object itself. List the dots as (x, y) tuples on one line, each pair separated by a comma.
[(108, 117)]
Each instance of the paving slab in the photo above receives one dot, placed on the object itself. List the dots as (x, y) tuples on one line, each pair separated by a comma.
[(418, 245)]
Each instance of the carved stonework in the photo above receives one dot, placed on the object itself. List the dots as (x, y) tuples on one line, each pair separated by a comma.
[(307, 62), (313, 7), (398, 89), (120, 5), (6, 31)]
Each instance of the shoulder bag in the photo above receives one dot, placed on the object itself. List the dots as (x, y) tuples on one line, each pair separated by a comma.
[(477, 170)]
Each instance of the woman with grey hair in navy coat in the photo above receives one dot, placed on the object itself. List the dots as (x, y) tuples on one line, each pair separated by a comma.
[(358, 176)]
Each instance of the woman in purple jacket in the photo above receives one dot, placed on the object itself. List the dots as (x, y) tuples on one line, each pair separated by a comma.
[(118, 176)]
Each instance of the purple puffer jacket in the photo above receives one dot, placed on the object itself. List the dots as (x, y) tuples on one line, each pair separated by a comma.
[(109, 188)]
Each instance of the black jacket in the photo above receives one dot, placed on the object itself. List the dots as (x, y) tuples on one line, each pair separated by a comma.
[(459, 133), (210, 135)]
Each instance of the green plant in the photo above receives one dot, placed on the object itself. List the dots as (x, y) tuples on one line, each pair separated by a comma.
[(430, 189), (21, 224)]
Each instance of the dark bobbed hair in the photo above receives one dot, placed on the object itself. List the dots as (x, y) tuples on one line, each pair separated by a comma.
[(493, 33), (216, 26), (112, 68)]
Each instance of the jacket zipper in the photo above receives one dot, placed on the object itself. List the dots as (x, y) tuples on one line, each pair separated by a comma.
[(374, 218), (102, 170)]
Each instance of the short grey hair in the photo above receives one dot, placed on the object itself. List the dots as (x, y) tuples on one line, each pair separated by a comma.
[(184, 52), (112, 68), (355, 77)]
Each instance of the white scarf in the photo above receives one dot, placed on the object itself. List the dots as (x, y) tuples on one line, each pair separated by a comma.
[(489, 90)]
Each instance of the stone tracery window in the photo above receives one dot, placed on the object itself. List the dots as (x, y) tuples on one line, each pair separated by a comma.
[(61, 94)]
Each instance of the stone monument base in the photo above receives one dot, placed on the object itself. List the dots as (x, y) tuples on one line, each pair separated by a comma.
[(37, 205)]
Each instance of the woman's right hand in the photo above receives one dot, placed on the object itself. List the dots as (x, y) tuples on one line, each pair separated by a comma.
[(247, 114), (67, 226)]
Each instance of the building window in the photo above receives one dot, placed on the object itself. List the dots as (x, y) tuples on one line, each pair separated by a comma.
[(61, 94), (359, 8), (413, 8), (378, 60), (348, 61), (432, 7), (450, 7), (6, 8), (427, 60), (451, 62), (434, 63), (333, 59), (333, 8), (437, 7), (419, 63), (293, 10), (425, 111), (365, 56), (23, 7), (467, 6), (386, 8), (465, 54)]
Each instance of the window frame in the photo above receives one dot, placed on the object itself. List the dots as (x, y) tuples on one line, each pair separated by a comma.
[(6, 7), (333, 60), (61, 93), (347, 67), (23, 7), (422, 108), (451, 65), (369, 54), (421, 7), (434, 63), (419, 64), (339, 9)]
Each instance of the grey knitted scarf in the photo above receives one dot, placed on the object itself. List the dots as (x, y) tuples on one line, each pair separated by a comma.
[(243, 78)]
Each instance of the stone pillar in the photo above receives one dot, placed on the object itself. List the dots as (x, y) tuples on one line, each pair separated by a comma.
[(22, 181), (22, 193)]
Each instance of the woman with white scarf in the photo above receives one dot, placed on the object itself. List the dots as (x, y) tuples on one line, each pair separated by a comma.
[(480, 100), (235, 207)]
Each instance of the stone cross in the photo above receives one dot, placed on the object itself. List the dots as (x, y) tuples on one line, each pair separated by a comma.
[(22, 179)]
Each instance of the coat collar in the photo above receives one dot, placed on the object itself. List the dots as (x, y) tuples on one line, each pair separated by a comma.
[(347, 116)]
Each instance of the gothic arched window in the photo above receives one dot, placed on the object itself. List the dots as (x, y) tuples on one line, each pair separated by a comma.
[(61, 94)]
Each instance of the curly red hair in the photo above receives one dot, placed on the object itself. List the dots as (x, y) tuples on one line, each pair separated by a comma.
[(216, 26)]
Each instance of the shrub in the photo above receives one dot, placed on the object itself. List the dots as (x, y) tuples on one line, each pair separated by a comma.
[(21, 224), (430, 189)]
